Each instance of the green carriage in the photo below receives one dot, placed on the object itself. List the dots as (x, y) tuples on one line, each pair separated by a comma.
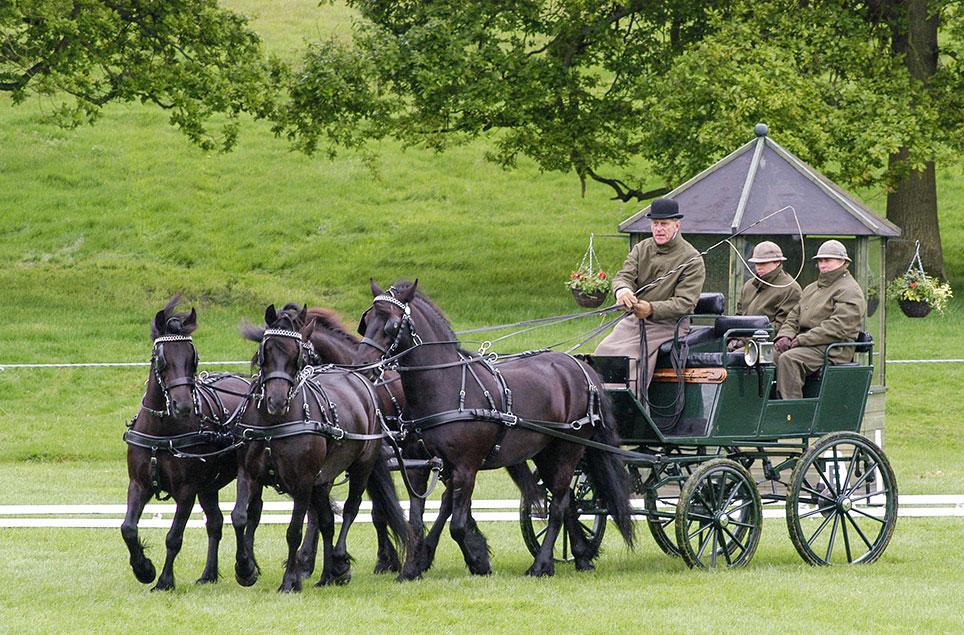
[(714, 445)]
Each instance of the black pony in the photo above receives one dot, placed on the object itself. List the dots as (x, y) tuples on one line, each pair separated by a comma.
[(178, 443), (476, 415), (303, 428), (334, 344)]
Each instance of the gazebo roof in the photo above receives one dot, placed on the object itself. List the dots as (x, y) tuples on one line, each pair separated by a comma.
[(758, 179)]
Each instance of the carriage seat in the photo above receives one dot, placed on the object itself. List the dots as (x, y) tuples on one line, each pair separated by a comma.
[(708, 304), (811, 387)]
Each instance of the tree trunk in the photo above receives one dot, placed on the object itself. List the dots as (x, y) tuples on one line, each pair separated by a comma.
[(912, 204)]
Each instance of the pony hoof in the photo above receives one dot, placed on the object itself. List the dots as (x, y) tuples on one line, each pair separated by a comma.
[(206, 580), (536, 571), (408, 577), (246, 579), (290, 587), (145, 573), (585, 566), (169, 586), (481, 570), (387, 567)]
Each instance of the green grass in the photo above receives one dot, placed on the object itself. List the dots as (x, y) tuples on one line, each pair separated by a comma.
[(911, 588)]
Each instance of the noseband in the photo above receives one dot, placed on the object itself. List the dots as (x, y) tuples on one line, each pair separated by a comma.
[(157, 358), (407, 321), (306, 358)]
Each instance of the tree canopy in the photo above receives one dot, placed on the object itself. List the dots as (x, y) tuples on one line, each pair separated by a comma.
[(190, 57)]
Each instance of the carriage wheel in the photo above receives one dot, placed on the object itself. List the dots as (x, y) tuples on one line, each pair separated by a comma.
[(719, 517), (842, 503), (663, 527), (534, 519)]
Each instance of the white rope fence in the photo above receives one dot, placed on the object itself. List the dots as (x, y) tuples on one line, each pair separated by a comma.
[(279, 512)]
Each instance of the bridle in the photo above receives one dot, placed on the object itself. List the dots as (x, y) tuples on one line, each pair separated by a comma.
[(406, 322), (306, 357), (158, 363)]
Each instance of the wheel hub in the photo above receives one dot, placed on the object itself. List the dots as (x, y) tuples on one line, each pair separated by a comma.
[(846, 504), (722, 520)]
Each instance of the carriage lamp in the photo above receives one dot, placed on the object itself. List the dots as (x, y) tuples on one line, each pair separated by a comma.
[(758, 349)]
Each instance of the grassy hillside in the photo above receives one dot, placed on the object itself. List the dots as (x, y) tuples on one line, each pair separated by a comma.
[(99, 226)]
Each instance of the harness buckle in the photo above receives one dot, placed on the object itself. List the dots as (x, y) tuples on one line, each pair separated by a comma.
[(577, 424), (510, 419)]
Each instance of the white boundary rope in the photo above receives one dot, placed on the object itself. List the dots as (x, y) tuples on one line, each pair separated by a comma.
[(279, 512)]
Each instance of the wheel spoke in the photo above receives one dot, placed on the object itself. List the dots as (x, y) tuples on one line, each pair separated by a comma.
[(833, 535), (726, 551), (541, 533), (846, 539), (698, 494), (739, 524), (701, 529), (879, 520), (729, 499), (741, 507), (719, 498), (700, 516), (823, 477), (825, 522), (565, 544), (866, 496), (816, 511), (861, 533), (836, 469), (713, 553), (736, 540), (705, 541), (815, 492), (853, 460), (863, 478)]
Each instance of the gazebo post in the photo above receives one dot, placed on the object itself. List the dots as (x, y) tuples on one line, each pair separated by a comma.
[(735, 275)]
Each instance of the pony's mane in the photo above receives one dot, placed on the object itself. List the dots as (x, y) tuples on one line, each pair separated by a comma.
[(331, 321), (174, 323), (405, 285)]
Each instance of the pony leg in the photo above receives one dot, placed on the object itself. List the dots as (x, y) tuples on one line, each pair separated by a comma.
[(214, 523), (464, 531), (419, 559), (243, 520), (292, 577), (416, 505), (582, 551), (340, 572), (558, 482), (309, 548), (175, 537), (390, 523), (137, 497), (321, 501)]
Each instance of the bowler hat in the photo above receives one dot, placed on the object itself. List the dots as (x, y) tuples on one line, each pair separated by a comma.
[(832, 249), (663, 208), (767, 252)]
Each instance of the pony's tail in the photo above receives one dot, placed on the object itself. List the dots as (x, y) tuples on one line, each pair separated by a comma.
[(608, 475), (381, 490)]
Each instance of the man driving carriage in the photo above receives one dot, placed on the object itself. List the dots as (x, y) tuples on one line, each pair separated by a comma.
[(773, 293), (660, 282), (832, 309)]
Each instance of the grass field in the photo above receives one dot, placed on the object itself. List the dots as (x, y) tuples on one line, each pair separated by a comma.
[(99, 226), (93, 591)]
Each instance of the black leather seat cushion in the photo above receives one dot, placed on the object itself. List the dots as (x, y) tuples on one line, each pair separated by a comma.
[(726, 322), (710, 304)]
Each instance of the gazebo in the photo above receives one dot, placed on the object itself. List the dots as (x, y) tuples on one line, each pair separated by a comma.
[(751, 183)]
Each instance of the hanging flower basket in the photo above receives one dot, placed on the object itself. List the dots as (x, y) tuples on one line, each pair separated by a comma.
[(589, 287), (914, 308), (918, 293), (589, 300)]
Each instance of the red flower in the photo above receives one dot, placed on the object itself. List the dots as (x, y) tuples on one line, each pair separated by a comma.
[(573, 276), (602, 275), (913, 285)]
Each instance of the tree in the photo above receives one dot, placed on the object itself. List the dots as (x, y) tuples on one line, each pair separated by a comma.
[(191, 58), (590, 86)]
